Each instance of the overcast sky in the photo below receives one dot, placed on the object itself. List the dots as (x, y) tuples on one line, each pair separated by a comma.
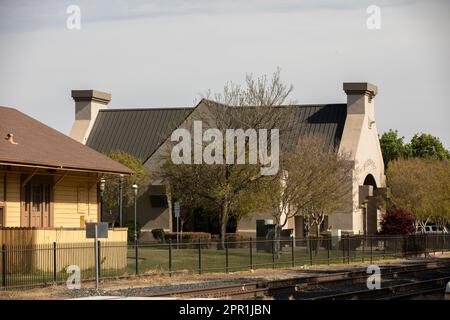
[(164, 53)]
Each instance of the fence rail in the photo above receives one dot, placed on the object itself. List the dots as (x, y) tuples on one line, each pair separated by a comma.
[(37, 265)]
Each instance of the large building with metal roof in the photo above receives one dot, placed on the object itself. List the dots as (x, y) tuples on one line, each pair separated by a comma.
[(143, 133)]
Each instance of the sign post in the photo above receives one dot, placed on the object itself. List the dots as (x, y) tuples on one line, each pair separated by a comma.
[(96, 230), (176, 208)]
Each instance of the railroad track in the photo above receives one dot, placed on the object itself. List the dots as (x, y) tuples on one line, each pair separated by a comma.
[(300, 288), (401, 291)]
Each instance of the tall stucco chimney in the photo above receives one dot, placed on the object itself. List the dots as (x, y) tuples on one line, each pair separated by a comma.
[(359, 97), (87, 105), (360, 114)]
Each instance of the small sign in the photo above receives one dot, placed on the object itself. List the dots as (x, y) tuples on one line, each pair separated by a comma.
[(102, 230), (176, 208)]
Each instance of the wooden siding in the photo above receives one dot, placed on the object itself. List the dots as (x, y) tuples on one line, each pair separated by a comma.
[(13, 200), (74, 202), (33, 249), (34, 236)]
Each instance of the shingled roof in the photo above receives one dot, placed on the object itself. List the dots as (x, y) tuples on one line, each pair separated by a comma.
[(35, 144), (140, 132)]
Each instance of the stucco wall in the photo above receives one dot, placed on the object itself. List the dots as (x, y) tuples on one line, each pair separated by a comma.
[(360, 140)]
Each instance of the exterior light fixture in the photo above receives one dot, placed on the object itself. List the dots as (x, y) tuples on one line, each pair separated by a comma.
[(135, 189)]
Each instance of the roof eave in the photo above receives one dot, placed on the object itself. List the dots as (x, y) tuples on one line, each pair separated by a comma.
[(60, 167)]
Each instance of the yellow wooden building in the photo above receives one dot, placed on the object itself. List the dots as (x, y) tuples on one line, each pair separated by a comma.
[(48, 181)]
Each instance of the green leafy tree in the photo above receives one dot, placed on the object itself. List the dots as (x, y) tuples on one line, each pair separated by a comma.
[(427, 146), (392, 146), (112, 182)]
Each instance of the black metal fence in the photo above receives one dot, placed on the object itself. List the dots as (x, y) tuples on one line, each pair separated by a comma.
[(26, 266)]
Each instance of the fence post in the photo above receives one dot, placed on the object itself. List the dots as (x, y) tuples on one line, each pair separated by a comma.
[(371, 249), (426, 246), (329, 248), (170, 257), (199, 257), (273, 252), (99, 260), (4, 265), (348, 250), (310, 251), (363, 247), (226, 256), (54, 261), (136, 256), (443, 242), (293, 252), (343, 249), (251, 253), (395, 247)]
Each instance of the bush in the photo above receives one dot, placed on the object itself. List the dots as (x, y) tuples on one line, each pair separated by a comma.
[(190, 237), (130, 226), (397, 222), (235, 240), (158, 234), (350, 242)]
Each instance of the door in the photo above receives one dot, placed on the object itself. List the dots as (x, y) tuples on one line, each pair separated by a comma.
[(36, 203), (2, 216)]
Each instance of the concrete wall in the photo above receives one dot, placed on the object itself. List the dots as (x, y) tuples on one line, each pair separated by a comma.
[(360, 140)]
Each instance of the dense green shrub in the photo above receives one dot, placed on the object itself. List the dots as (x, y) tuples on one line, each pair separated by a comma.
[(190, 237), (158, 234)]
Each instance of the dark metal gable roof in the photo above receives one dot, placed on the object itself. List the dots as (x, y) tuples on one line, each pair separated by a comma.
[(138, 132), (324, 121)]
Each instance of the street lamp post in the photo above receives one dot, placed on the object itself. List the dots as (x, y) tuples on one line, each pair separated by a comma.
[(135, 189), (102, 190), (120, 200)]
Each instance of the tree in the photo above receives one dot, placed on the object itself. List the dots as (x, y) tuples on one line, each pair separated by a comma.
[(226, 187), (112, 182), (397, 221), (392, 146), (427, 146), (314, 182), (421, 187), (422, 145)]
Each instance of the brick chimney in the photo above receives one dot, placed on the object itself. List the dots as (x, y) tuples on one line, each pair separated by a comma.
[(87, 105)]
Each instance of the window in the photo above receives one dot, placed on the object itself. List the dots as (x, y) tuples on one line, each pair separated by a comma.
[(158, 201), (37, 198)]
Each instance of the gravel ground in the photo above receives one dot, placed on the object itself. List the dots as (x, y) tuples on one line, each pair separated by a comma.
[(156, 283)]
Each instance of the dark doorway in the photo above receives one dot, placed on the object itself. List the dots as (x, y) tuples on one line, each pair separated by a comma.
[(370, 212), (36, 198)]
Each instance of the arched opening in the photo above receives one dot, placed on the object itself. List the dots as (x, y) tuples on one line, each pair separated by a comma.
[(370, 208), (370, 181)]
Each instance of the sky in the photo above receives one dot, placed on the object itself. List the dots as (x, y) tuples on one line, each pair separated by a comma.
[(166, 53)]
